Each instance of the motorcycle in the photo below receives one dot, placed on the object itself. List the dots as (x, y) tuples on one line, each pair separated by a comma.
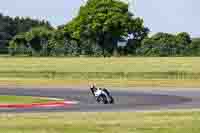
[(102, 96)]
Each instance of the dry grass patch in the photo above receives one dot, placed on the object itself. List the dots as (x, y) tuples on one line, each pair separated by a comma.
[(157, 122)]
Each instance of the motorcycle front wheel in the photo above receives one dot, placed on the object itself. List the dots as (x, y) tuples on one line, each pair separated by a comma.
[(102, 99)]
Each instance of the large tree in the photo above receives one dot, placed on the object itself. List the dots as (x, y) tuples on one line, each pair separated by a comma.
[(105, 22)]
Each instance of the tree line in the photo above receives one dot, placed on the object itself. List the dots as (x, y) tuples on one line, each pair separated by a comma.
[(10, 27), (101, 28), (165, 44)]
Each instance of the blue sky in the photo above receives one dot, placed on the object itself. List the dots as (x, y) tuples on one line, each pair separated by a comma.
[(160, 15)]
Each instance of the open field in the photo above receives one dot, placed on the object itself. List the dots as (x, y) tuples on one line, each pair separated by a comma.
[(100, 68), (180, 64), (143, 122), (117, 72), (5, 99)]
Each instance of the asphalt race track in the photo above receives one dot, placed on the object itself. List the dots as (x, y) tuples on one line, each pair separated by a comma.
[(125, 99)]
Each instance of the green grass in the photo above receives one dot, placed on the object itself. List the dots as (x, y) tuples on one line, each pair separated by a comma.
[(6, 99), (155, 122), (182, 64), (150, 84), (100, 68)]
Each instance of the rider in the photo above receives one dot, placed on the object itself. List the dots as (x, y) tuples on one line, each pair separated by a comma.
[(93, 89), (98, 91)]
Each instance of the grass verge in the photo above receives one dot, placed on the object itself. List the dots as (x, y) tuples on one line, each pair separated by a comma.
[(101, 75), (6, 99), (171, 84), (154, 122)]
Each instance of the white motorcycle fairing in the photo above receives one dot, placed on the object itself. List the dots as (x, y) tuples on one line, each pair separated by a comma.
[(99, 92), (102, 95)]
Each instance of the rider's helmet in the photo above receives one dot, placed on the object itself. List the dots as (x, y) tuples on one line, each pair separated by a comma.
[(92, 86)]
